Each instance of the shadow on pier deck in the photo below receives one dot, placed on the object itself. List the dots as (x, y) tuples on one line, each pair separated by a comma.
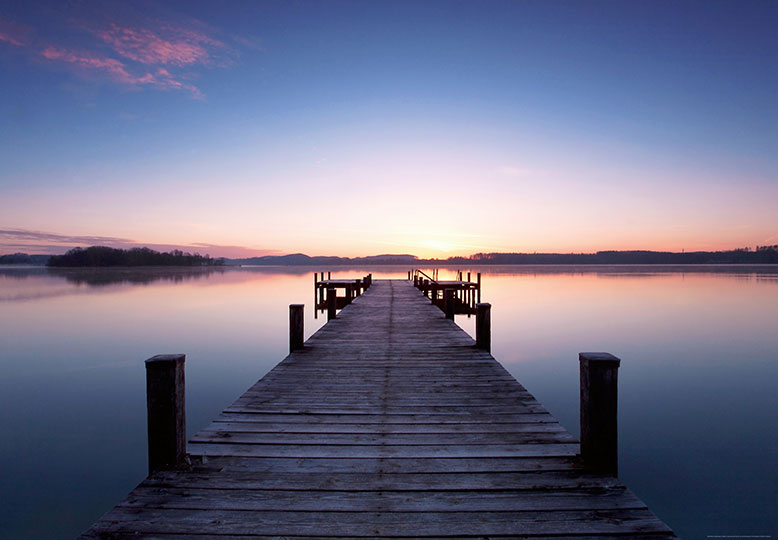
[(389, 422)]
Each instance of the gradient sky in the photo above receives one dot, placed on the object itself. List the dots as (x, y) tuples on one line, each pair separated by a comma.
[(358, 128)]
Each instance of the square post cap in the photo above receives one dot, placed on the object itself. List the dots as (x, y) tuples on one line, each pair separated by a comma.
[(599, 358), (165, 360)]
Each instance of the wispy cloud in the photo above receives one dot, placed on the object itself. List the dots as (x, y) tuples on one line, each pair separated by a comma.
[(39, 236), (155, 54), (24, 240), (253, 43), (13, 34), (165, 44)]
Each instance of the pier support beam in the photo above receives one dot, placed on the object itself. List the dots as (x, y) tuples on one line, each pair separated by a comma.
[(349, 293), (448, 303), (483, 326), (166, 408), (599, 398), (296, 317), (332, 303)]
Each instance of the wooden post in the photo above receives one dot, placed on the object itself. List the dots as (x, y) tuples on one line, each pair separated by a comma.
[(332, 303), (433, 293), (468, 277), (448, 297), (599, 399), (424, 288), (296, 316), (409, 275), (483, 326), (348, 293), (478, 279), (322, 276), (166, 409), (329, 275), (357, 287), (316, 294)]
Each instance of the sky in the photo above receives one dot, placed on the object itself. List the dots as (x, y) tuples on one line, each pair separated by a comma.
[(244, 128)]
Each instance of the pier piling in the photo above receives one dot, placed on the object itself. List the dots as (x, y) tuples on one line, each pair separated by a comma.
[(599, 399), (332, 303), (483, 326), (448, 302), (166, 408), (296, 317)]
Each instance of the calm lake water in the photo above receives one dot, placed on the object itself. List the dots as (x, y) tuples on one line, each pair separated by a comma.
[(698, 400)]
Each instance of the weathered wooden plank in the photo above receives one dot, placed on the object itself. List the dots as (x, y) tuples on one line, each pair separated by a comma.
[(380, 451), (246, 478), (174, 536), (388, 465), (209, 521), (381, 501), (428, 428), (382, 439), (385, 419)]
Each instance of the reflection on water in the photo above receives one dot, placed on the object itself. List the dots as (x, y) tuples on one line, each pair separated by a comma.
[(698, 410)]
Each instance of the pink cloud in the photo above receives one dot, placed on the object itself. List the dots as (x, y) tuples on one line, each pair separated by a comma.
[(164, 45), (117, 70), (148, 56), (13, 34), (90, 60), (8, 38)]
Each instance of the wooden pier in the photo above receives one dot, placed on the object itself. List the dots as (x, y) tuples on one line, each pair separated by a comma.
[(454, 297), (388, 422), (324, 289)]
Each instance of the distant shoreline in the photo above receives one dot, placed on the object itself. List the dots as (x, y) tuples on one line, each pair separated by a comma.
[(102, 257)]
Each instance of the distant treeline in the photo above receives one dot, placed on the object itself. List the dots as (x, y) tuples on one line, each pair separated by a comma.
[(106, 256), (23, 258), (761, 255)]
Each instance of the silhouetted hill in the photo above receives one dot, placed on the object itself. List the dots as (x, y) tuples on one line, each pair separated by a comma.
[(761, 255), (304, 260)]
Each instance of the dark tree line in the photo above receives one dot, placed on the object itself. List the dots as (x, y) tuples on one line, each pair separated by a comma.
[(762, 255), (106, 256), (23, 258)]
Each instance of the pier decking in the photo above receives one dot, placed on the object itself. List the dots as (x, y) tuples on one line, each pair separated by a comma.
[(388, 423)]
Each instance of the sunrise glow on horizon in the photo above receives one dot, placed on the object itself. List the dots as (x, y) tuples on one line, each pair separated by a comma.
[(361, 128)]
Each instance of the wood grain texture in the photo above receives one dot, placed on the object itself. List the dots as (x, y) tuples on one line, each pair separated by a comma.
[(388, 423)]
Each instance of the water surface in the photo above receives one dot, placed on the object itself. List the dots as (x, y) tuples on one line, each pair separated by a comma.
[(698, 407)]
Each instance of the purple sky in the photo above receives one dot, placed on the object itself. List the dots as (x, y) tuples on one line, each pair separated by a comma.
[(356, 128)]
